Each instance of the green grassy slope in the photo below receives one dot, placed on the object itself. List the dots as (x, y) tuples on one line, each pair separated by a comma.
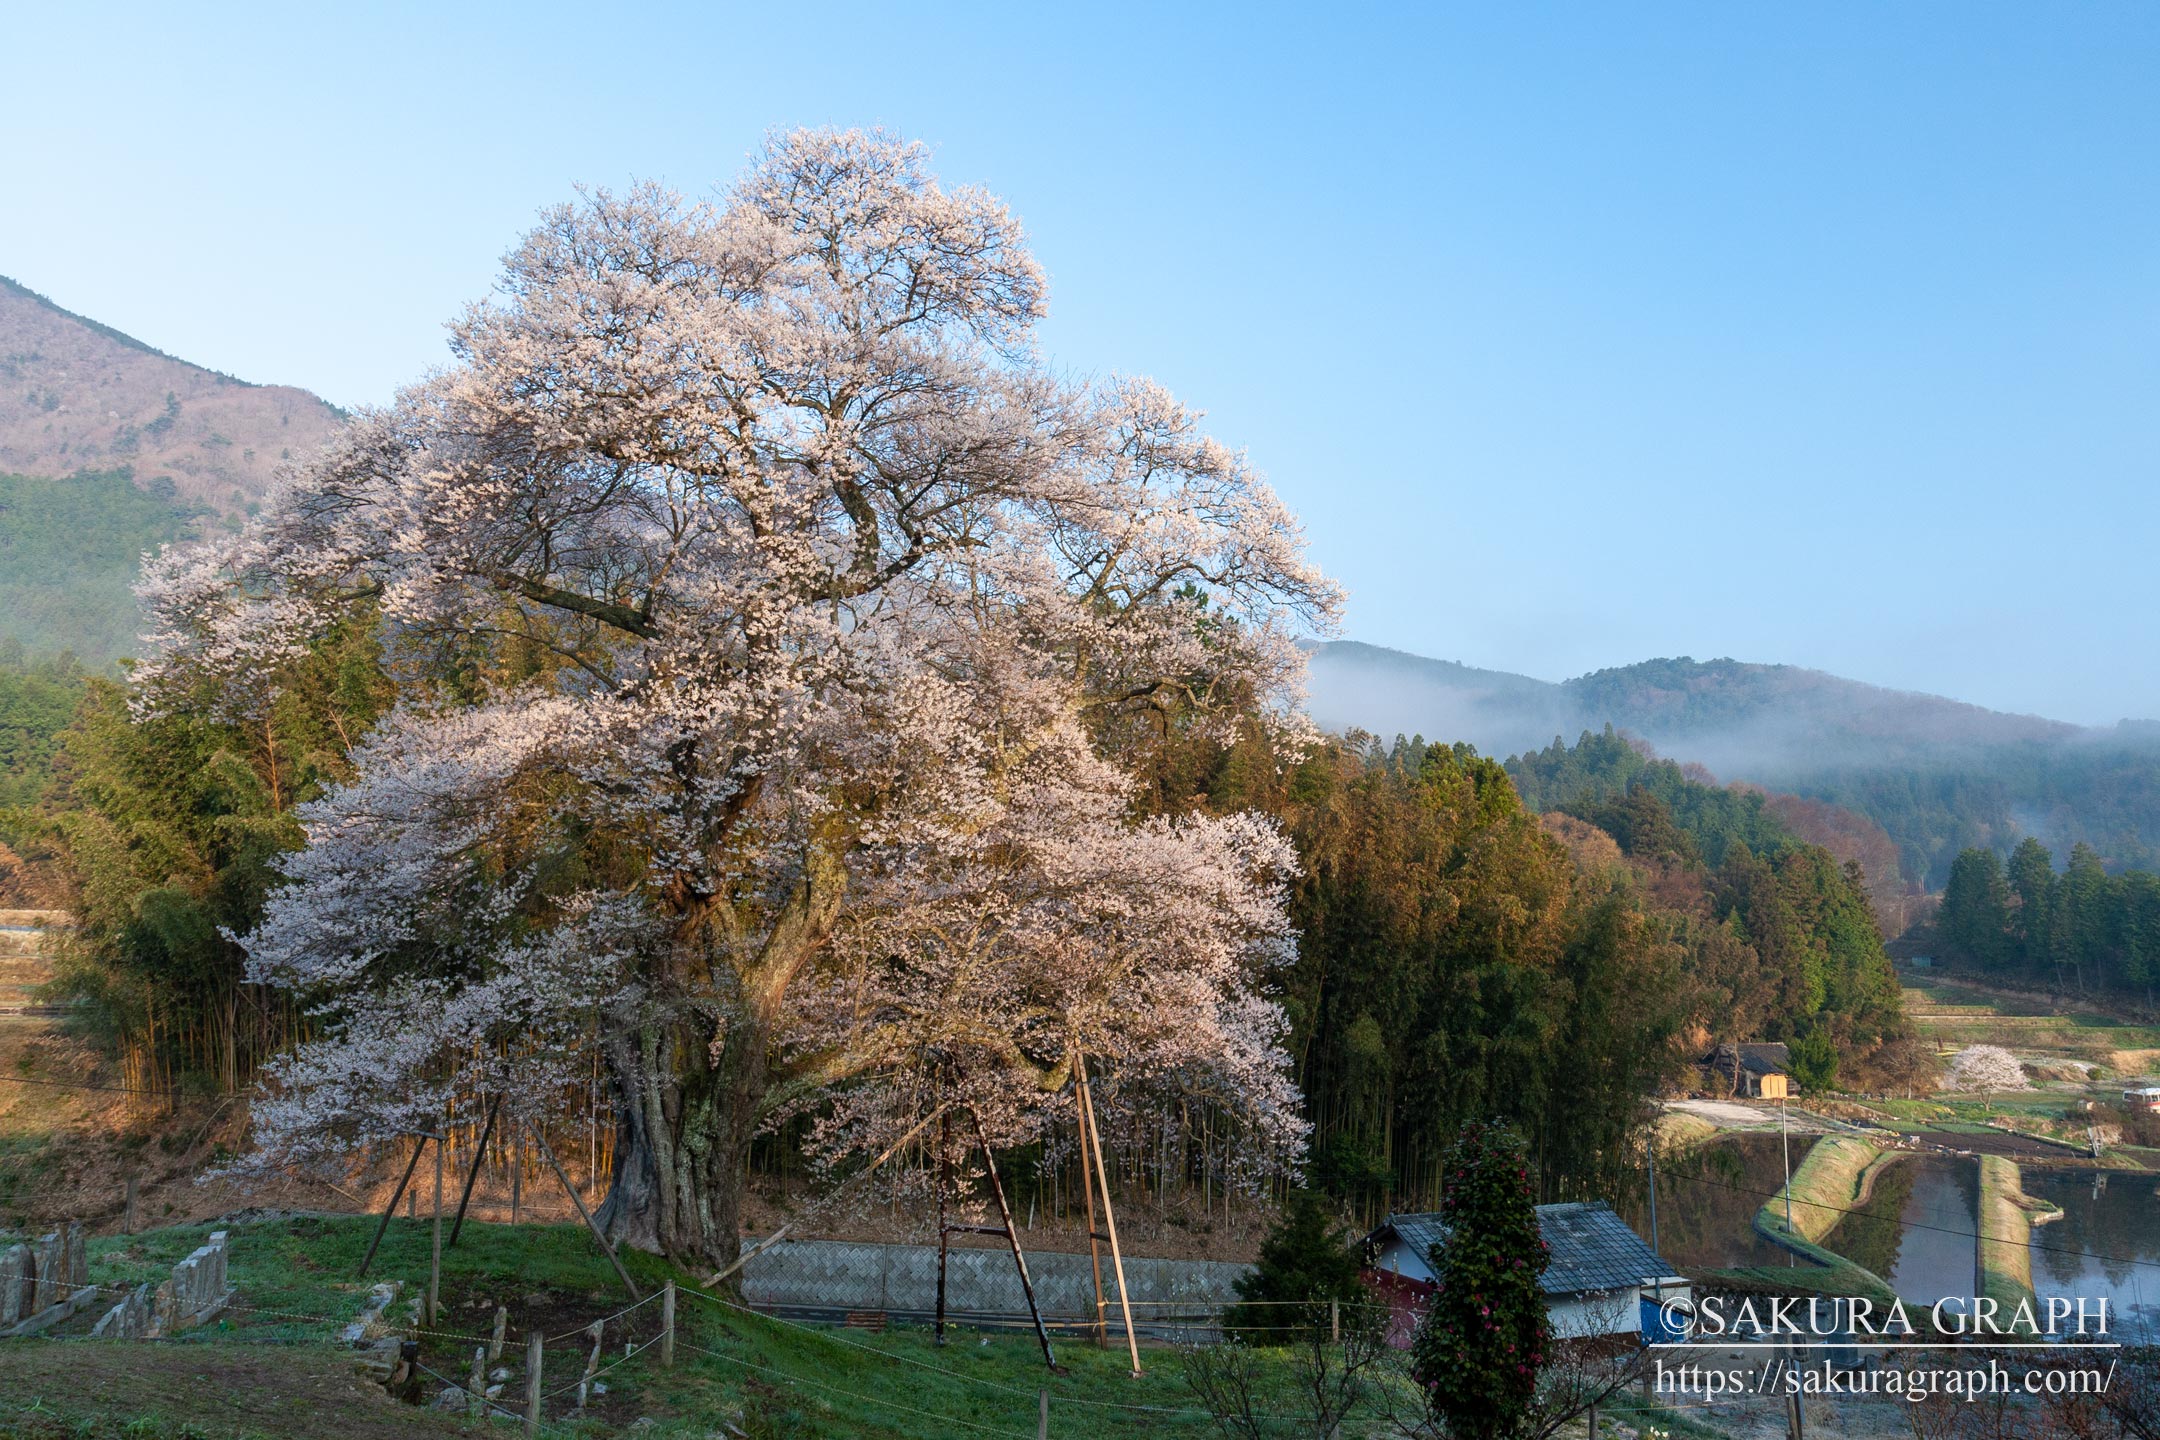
[(295, 1278)]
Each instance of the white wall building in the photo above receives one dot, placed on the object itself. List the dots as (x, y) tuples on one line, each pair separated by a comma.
[(1599, 1277)]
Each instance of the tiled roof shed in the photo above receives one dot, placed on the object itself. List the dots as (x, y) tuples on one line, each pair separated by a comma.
[(1593, 1249), (1769, 1058)]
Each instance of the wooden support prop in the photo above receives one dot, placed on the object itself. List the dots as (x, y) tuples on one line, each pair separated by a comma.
[(1087, 1191), (667, 1327), (535, 1346), (1027, 1286), (944, 1234), (434, 1278), (1117, 1258), (479, 1158), (547, 1151), (391, 1209)]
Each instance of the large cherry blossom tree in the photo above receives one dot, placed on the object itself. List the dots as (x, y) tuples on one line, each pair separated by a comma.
[(772, 623)]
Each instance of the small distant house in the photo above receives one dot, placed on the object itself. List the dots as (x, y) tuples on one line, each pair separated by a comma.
[(2145, 1097), (1602, 1279), (1758, 1072)]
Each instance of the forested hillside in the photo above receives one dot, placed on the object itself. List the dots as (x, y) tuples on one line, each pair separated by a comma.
[(1785, 936), (38, 696), (69, 550), (110, 448), (2082, 929), (1936, 775)]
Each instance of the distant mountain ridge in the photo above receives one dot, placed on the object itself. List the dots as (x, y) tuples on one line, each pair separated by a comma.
[(109, 448), (1936, 773), (80, 396), (1676, 698)]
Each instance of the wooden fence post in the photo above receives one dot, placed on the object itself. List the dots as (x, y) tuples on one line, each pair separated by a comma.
[(535, 1343), (667, 1327), (1042, 1414), (128, 1224)]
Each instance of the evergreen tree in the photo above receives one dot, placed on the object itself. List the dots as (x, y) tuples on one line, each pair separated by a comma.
[(2032, 884), (1481, 1342), (1975, 918), (1814, 1060), (1306, 1261), (2078, 918)]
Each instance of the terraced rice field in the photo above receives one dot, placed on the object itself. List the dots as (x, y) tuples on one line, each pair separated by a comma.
[(1954, 1015)]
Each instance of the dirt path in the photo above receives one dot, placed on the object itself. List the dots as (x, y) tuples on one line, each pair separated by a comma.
[(1732, 1115)]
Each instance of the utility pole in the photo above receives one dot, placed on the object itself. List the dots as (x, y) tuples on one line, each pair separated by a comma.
[(1657, 1282), (1792, 1257)]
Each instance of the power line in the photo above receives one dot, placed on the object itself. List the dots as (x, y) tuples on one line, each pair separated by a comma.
[(1973, 1235)]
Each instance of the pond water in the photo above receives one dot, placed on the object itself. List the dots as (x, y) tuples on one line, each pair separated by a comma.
[(1916, 1229), (1917, 1226), (2106, 1244), (1707, 1201)]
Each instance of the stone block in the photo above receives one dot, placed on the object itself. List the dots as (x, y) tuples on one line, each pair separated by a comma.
[(128, 1320), (49, 1255), (18, 1278)]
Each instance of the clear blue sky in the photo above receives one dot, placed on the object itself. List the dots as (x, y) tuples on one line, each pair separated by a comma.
[(1817, 333)]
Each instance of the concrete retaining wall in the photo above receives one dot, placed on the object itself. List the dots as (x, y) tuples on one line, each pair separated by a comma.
[(840, 1275)]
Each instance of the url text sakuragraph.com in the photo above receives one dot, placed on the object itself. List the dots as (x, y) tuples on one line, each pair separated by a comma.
[(1815, 1347)]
